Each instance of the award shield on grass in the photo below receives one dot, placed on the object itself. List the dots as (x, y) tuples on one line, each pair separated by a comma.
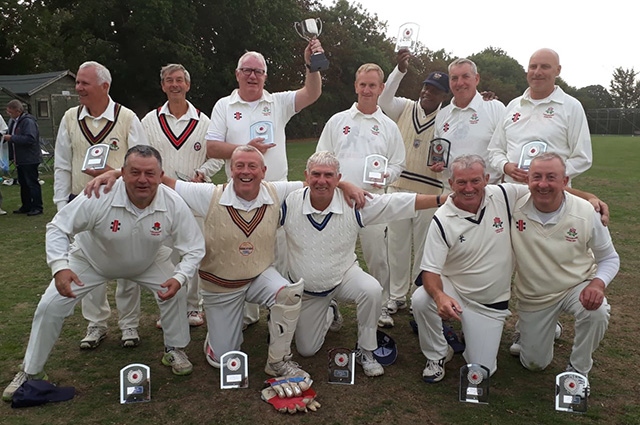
[(474, 384), (407, 37), (309, 29), (342, 366), (262, 129), (375, 167), (234, 370), (439, 149), (572, 392), (135, 383), (96, 157), (530, 151)]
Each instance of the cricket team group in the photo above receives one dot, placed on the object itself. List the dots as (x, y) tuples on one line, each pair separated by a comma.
[(458, 228)]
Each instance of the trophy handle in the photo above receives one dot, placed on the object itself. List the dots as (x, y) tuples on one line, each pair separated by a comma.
[(319, 24), (298, 27)]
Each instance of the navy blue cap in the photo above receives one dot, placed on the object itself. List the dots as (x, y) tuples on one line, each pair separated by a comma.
[(387, 351), (439, 80), (36, 392)]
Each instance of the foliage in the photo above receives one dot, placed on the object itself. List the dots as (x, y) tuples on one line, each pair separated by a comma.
[(594, 97), (625, 90), (500, 73)]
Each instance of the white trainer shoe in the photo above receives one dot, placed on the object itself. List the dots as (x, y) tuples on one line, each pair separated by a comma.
[(385, 320), (369, 364), (93, 338), (434, 369)]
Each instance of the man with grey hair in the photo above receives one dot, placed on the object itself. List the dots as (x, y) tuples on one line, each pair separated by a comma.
[(23, 136), (322, 231), (119, 234), (98, 119), (468, 122), (253, 116), (177, 130)]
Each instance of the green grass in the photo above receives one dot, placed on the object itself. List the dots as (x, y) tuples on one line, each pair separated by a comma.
[(399, 397)]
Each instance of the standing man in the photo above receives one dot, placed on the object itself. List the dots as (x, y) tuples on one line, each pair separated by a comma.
[(233, 116), (120, 234), (351, 136), (178, 130), (415, 119), (24, 139), (322, 231), (468, 122), (98, 119), (546, 113), (557, 229)]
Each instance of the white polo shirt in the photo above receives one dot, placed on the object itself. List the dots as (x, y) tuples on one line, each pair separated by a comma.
[(352, 136), (121, 241), (469, 130), (473, 251), (231, 121), (559, 120)]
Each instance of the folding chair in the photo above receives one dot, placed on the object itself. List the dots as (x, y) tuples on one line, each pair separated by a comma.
[(48, 150)]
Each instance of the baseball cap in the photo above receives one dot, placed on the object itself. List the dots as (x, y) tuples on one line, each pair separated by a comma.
[(387, 351), (36, 392), (438, 79)]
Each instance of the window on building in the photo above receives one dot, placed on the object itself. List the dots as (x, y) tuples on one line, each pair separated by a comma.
[(43, 109)]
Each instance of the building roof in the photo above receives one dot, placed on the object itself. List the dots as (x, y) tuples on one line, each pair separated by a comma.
[(30, 84)]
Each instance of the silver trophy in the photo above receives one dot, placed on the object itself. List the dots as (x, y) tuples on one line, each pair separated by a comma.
[(135, 383), (530, 151), (407, 37), (474, 384), (375, 168), (572, 392), (309, 29), (96, 157), (342, 366), (262, 129), (439, 149), (234, 370)]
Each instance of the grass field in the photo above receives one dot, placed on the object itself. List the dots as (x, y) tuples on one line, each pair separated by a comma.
[(399, 397)]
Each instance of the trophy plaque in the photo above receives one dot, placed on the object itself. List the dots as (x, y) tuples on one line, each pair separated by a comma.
[(572, 391), (96, 157), (474, 384), (135, 383), (309, 29), (234, 370), (530, 151), (342, 366), (375, 167), (407, 37), (439, 149), (262, 129)]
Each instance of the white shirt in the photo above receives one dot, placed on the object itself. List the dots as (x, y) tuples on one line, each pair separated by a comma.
[(559, 120), (352, 136), (469, 130), (232, 118), (473, 251), (118, 241)]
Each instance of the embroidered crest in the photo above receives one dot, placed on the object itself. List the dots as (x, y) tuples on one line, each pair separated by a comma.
[(549, 112), (246, 249), (237, 116), (375, 130), (113, 144), (521, 225), (572, 235), (155, 229), (498, 224), (115, 226), (474, 119), (197, 146), (266, 111)]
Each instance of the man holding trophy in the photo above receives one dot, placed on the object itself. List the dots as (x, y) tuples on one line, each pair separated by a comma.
[(371, 152), (253, 116), (544, 114), (98, 120)]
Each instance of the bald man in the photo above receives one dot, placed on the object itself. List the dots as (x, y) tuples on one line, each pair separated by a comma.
[(546, 113)]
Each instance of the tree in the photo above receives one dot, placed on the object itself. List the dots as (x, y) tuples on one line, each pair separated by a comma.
[(500, 73), (594, 97), (625, 91)]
